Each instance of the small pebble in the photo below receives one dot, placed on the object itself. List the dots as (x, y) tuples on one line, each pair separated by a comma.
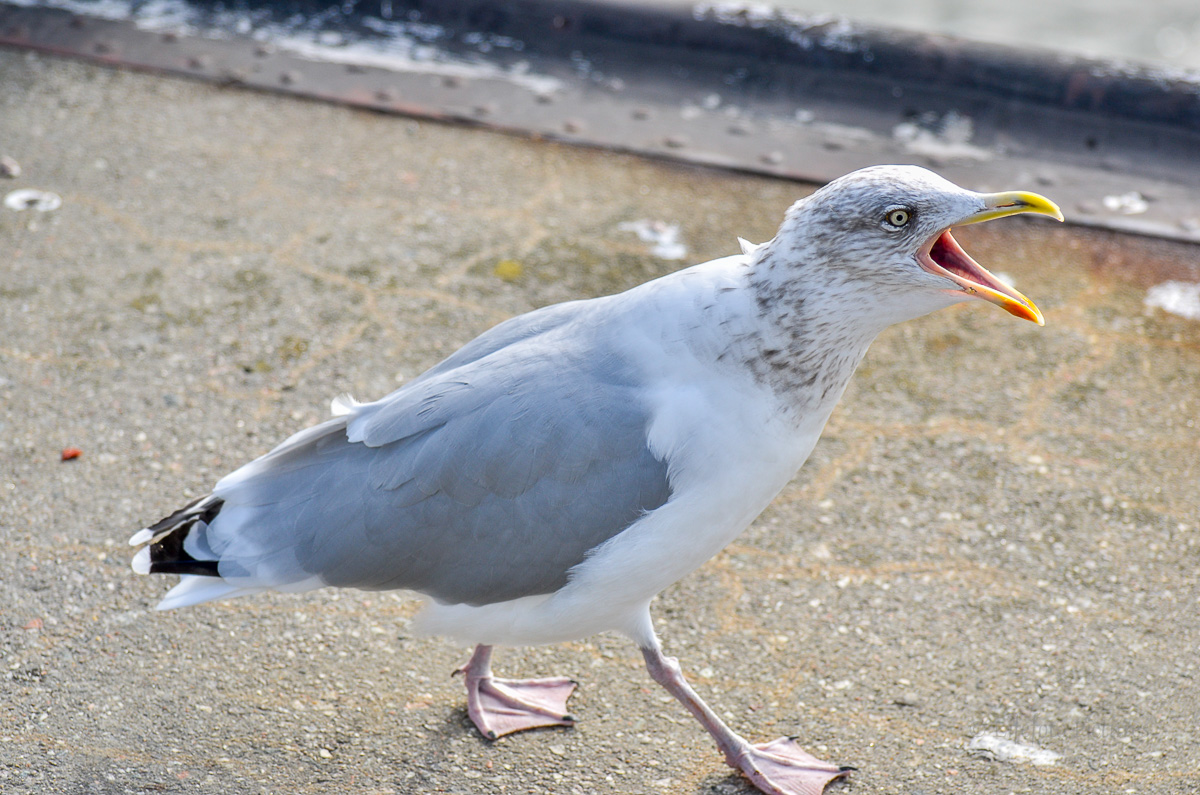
[(9, 167)]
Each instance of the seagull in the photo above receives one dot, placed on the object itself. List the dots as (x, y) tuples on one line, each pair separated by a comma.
[(546, 481)]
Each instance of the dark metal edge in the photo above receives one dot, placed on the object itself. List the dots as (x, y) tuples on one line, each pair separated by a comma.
[(717, 84)]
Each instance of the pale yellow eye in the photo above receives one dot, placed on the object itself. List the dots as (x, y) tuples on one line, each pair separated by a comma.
[(898, 218)]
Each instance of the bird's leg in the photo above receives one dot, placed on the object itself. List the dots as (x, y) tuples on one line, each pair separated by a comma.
[(503, 706), (780, 767)]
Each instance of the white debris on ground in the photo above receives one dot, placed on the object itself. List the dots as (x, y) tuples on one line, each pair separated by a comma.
[(947, 138), (1178, 298), (1132, 203), (27, 199), (1001, 749), (664, 236)]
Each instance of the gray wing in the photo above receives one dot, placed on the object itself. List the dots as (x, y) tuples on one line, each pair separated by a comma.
[(481, 483), (513, 331)]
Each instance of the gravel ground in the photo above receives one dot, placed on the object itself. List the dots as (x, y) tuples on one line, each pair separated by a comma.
[(998, 533)]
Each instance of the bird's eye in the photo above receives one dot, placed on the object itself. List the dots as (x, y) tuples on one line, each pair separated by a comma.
[(898, 218)]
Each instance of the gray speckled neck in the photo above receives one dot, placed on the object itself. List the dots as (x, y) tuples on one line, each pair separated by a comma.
[(814, 326)]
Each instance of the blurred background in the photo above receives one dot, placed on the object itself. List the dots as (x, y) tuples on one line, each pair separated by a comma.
[(1159, 31)]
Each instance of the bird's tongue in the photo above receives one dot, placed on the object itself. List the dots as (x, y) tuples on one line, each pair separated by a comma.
[(949, 258)]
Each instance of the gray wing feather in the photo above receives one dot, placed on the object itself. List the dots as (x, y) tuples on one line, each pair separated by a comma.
[(510, 332), (483, 483)]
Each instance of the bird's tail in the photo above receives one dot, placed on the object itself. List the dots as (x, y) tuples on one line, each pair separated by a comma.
[(178, 545)]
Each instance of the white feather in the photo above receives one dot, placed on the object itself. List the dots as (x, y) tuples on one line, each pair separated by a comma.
[(342, 405), (194, 589), (141, 537), (141, 561)]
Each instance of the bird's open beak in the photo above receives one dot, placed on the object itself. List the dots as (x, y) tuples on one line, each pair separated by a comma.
[(942, 256)]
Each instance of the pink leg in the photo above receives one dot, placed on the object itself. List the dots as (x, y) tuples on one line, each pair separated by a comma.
[(503, 706), (779, 767)]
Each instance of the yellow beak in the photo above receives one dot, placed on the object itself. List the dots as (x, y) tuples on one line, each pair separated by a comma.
[(944, 257), (999, 205)]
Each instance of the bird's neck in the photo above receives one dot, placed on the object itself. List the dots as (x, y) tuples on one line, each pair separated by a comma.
[(813, 328)]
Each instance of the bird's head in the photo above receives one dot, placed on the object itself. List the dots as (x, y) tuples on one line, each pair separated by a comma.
[(887, 230)]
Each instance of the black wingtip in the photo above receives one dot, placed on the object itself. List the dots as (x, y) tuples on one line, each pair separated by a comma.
[(204, 568), (167, 554), (202, 509)]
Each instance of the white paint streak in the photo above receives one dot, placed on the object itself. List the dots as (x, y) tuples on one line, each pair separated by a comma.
[(1178, 298), (948, 138), (1131, 203), (1002, 749), (664, 236)]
